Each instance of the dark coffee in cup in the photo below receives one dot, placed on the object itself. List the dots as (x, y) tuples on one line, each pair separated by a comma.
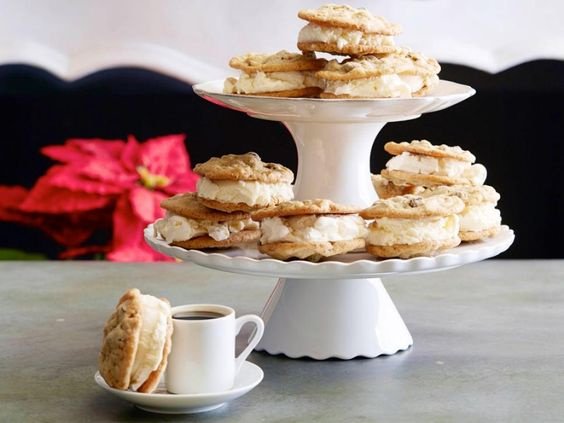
[(197, 315)]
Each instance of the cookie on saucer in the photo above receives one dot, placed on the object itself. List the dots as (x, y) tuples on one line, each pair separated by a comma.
[(282, 74), (344, 30), (480, 218), (410, 225), (310, 230), (401, 74), (191, 225), (136, 343), (423, 164), (243, 182)]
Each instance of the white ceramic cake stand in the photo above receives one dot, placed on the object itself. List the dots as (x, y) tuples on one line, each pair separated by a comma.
[(338, 308)]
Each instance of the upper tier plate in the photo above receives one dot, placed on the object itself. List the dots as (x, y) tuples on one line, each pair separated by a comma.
[(352, 265), (446, 94)]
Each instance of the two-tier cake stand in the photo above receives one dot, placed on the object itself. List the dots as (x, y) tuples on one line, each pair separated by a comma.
[(335, 308)]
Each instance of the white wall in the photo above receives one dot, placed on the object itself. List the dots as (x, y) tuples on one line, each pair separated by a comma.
[(193, 40)]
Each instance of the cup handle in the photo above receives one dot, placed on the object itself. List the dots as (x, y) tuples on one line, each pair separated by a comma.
[(239, 323)]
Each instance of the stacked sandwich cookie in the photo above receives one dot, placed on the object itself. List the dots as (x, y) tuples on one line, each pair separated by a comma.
[(410, 225), (343, 30), (418, 167), (420, 163), (282, 74), (218, 214), (136, 342), (243, 183), (375, 67), (311, 230), (401, 74), (480, 218), (191, 225)]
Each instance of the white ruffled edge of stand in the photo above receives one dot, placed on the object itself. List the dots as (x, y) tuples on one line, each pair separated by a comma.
[(352, 265)]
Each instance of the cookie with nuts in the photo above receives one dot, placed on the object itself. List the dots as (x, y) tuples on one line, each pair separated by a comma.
[(282, 74), (421, 163), (310, 230), (344, 30), (190, 224), (243, 182), (411, 225), (480, 218), (136, 342), (400, 74)]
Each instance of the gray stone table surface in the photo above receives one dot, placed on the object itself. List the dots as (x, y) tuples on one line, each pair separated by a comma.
[(488, 346)]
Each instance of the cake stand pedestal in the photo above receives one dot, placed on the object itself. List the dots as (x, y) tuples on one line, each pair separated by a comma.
[(337, 308), (351, 318), (340, 154)]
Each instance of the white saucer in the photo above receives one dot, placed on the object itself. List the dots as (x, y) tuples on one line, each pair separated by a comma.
[(160, 401)]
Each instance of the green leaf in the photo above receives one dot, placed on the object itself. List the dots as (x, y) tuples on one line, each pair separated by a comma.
[(13, 254)]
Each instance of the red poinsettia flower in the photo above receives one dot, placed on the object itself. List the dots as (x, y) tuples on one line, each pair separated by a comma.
[(130, 177), (68, 229)]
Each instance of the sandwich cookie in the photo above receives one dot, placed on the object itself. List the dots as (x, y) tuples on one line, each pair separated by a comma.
[(136, 343), (310, 230), (423, 164), (402, 74), (480, 218), (387, 189), (191, 225), (282, 74), (344, 30), (410, 225), (243, 183)]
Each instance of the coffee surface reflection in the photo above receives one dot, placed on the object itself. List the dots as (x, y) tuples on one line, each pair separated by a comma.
[(197, 315)]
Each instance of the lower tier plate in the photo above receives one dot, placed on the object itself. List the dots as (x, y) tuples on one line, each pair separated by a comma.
[(351, 265)]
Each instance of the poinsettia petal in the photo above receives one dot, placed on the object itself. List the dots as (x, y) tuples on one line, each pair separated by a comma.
[(11, 196), (71, 177), (165, 155), (109, 171), (146, 204), (128, 228), (78, 150), (65, 153), (45, 197), (130, 155), (68, 235), (10, 199), (96, 147), (128, 241)]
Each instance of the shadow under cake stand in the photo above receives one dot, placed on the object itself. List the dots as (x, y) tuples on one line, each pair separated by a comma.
[(339, 307)]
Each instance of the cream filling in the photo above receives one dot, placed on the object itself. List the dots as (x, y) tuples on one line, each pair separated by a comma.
[(312, 228), (390, 231), (178, 228), (342, 37), (252, 193), (154, 314), (479, 217), (427, 165), (264, 82), (390, 85)]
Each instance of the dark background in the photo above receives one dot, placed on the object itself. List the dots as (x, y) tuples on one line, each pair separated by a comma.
[(514, 125)]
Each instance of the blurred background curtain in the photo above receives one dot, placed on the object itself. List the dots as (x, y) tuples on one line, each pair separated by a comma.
[(108, 69)]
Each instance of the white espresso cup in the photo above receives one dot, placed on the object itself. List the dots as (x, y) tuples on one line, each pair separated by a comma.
[(202, 357)]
